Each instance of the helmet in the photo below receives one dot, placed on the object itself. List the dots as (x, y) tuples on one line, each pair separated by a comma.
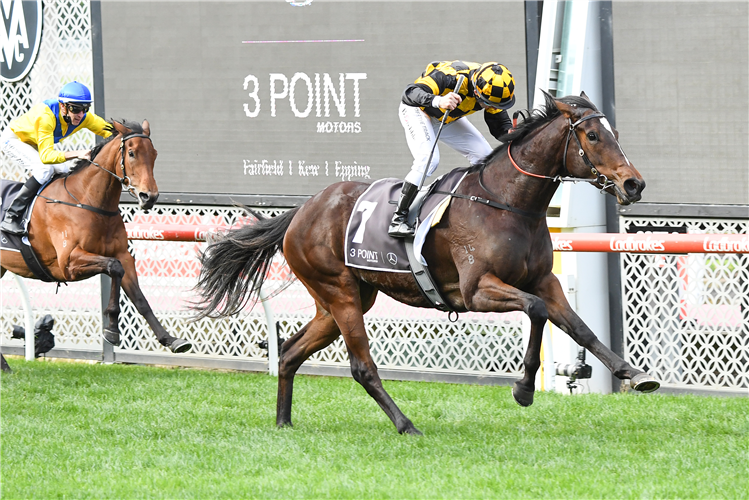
[(495, 86), (75, 92)]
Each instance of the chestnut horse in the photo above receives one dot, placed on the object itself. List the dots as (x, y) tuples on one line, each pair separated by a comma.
[(509, 268), (89, 238)]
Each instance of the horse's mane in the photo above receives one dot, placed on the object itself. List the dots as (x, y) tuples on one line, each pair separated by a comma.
[(135, 127), (538, 118)]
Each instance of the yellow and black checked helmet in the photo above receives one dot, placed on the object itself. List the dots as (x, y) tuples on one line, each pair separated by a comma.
[(494, 86)]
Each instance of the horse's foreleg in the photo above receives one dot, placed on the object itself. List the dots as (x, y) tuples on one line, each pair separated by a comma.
[(314, 336), (493, 295), (133, 291), (562, 315), (84, 265)]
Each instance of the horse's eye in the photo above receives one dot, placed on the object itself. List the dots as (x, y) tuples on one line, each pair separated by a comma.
[(592, 136), (131, 154)]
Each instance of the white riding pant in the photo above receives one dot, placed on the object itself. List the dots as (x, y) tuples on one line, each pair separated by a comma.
[(27, 156), (421, 129)]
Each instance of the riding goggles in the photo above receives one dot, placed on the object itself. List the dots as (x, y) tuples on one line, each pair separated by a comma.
[(497, 105), (78, 108)]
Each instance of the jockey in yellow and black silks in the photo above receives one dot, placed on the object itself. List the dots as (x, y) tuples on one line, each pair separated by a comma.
[(489, 87)]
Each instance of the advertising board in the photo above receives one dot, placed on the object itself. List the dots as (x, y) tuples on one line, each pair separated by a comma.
[(280, 98)]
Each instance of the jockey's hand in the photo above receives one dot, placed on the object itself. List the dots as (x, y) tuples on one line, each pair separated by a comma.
[(449, 101), (81, 153)]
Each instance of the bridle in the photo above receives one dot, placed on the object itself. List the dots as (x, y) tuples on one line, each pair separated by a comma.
[(124, 180), (600, 179)]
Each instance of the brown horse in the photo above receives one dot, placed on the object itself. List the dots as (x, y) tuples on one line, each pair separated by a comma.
[(508, 270), (89, 238)]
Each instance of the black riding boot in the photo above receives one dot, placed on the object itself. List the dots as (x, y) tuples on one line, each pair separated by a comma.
[(13, 222), (399, 227)]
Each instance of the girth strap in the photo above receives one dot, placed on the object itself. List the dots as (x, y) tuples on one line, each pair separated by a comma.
[(83, 206), (424, 279), (418, 270)]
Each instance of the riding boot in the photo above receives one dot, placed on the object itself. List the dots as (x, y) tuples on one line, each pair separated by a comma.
[(13, 222), (399, 227)]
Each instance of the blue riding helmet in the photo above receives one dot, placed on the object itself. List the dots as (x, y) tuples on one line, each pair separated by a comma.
[(75, 92)]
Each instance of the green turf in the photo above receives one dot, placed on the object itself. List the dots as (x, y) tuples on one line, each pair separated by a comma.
[(74, 430)]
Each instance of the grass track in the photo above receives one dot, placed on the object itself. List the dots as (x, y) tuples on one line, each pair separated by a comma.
[(73, 430)]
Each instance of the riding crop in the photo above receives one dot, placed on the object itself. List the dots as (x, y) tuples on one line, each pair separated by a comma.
[(442, 123)]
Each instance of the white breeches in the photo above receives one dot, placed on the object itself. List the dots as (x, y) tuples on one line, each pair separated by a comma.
[(421, 129), (27, 156)]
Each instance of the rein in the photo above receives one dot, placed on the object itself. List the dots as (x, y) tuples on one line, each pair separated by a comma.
[(124, 180), (600, 179)]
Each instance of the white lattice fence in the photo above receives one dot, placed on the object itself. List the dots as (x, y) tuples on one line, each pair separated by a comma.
[(401, 337), (686, 317), (64, 56)]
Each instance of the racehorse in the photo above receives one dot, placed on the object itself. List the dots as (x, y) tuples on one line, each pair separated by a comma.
[(499, 212), (77, 232)]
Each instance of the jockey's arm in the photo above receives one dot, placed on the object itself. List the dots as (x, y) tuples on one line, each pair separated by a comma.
[(498, 121), (97, 125), (46, 143), (420, 95)]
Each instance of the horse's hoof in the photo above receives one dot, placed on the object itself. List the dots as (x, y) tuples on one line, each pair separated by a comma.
[(523, 397), (410, 429), (179, 346), (111, 337), (644, 383)]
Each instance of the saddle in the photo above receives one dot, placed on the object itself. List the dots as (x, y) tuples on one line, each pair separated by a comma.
[(368, 245), (15, 243)]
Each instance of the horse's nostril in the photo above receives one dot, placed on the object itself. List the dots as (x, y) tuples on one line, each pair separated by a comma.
[(634, 186)]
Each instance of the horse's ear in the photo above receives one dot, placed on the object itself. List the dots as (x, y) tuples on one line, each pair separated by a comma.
[(585, 96), (146, 128), (568, 110), (119, 127)]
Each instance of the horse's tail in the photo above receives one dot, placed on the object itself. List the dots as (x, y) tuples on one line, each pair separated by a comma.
[(235, 267)]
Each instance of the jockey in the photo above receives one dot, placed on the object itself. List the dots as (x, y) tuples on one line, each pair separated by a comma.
[(489, 86), (30, 140)]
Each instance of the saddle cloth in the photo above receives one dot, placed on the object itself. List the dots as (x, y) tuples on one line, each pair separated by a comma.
[(14, 243), (368, 245)]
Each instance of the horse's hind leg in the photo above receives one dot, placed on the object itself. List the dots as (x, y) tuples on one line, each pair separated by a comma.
[(4, 366), (350, 320), (314, 336)]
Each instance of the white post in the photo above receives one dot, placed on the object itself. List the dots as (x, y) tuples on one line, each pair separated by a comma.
[(549, 368), (28, 318), (272, 334)]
